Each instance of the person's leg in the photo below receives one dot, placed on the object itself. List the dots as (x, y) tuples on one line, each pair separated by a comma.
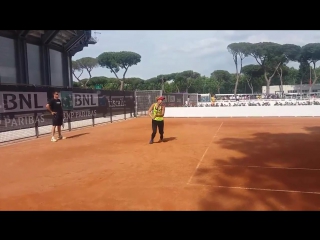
[(154, 130), (60, 134), (53, 130), (59, 130), (161, 129), (60, 122)]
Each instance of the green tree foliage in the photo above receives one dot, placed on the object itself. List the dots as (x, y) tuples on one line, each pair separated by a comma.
[(115, 61), (311, 54), (87, 63), (251, 73), (221, 79), (304, 69), (269, 56), (270, 68)]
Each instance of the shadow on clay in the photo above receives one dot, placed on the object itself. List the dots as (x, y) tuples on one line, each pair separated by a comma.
[(275, 153), (77, 135), (168, 139)]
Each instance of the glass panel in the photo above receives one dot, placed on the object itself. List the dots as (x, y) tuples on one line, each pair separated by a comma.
[(8, 70), (56, 68), (34, 64)]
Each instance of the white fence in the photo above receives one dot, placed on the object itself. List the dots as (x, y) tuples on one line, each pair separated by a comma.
[(270, 102), (245, 111)]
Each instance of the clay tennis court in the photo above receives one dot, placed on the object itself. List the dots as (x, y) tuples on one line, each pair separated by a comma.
[(205, 164)]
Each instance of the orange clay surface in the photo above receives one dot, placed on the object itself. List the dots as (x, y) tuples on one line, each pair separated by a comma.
[(205, 164)]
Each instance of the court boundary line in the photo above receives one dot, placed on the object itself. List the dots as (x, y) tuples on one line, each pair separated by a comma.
[(280, 168), (205, 152), (255, 189)]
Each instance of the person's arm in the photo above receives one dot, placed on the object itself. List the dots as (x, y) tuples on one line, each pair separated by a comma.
[(163, 110), (48, 106), (150, 111)]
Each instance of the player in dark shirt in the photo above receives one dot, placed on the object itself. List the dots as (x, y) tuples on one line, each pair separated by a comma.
[(55, 108)]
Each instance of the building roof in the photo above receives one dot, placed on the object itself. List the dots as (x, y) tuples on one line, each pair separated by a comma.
[(71, 41)]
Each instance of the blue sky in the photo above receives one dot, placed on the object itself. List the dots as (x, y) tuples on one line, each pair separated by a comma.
[(164, 52)]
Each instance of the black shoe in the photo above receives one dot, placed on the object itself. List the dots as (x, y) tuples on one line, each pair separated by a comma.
[(151, 141)]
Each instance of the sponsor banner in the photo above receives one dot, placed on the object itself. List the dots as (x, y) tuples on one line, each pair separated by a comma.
[(23, 107), (21, 121), (22, 101), (85, 100), (117, 101), (83, 114)]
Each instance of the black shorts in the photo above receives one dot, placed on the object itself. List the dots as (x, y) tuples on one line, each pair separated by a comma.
[(57, 120)]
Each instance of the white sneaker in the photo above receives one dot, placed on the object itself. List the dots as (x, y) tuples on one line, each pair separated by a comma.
[(61, 137), (53, 139)]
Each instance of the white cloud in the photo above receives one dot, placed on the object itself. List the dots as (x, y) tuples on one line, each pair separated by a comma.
[(173, 51)]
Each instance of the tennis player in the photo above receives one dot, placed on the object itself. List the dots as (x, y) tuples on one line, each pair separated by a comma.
[(55, 108), (156, 112)]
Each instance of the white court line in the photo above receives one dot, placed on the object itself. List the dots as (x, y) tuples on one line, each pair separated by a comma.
[(205, 152), (283, 168), (256, 189)]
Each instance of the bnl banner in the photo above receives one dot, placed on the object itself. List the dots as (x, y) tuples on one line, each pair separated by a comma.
[(83, 100), (14, 102), (72, 100), (18, 102)]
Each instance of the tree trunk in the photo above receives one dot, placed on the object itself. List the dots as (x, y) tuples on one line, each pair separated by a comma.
[(281, 88), (310, 89), (121, 85), (88, 79), (74, 74), (250, 84), (236, 85), (281, 81), (268, 87), (267, 82), (315, 76)]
